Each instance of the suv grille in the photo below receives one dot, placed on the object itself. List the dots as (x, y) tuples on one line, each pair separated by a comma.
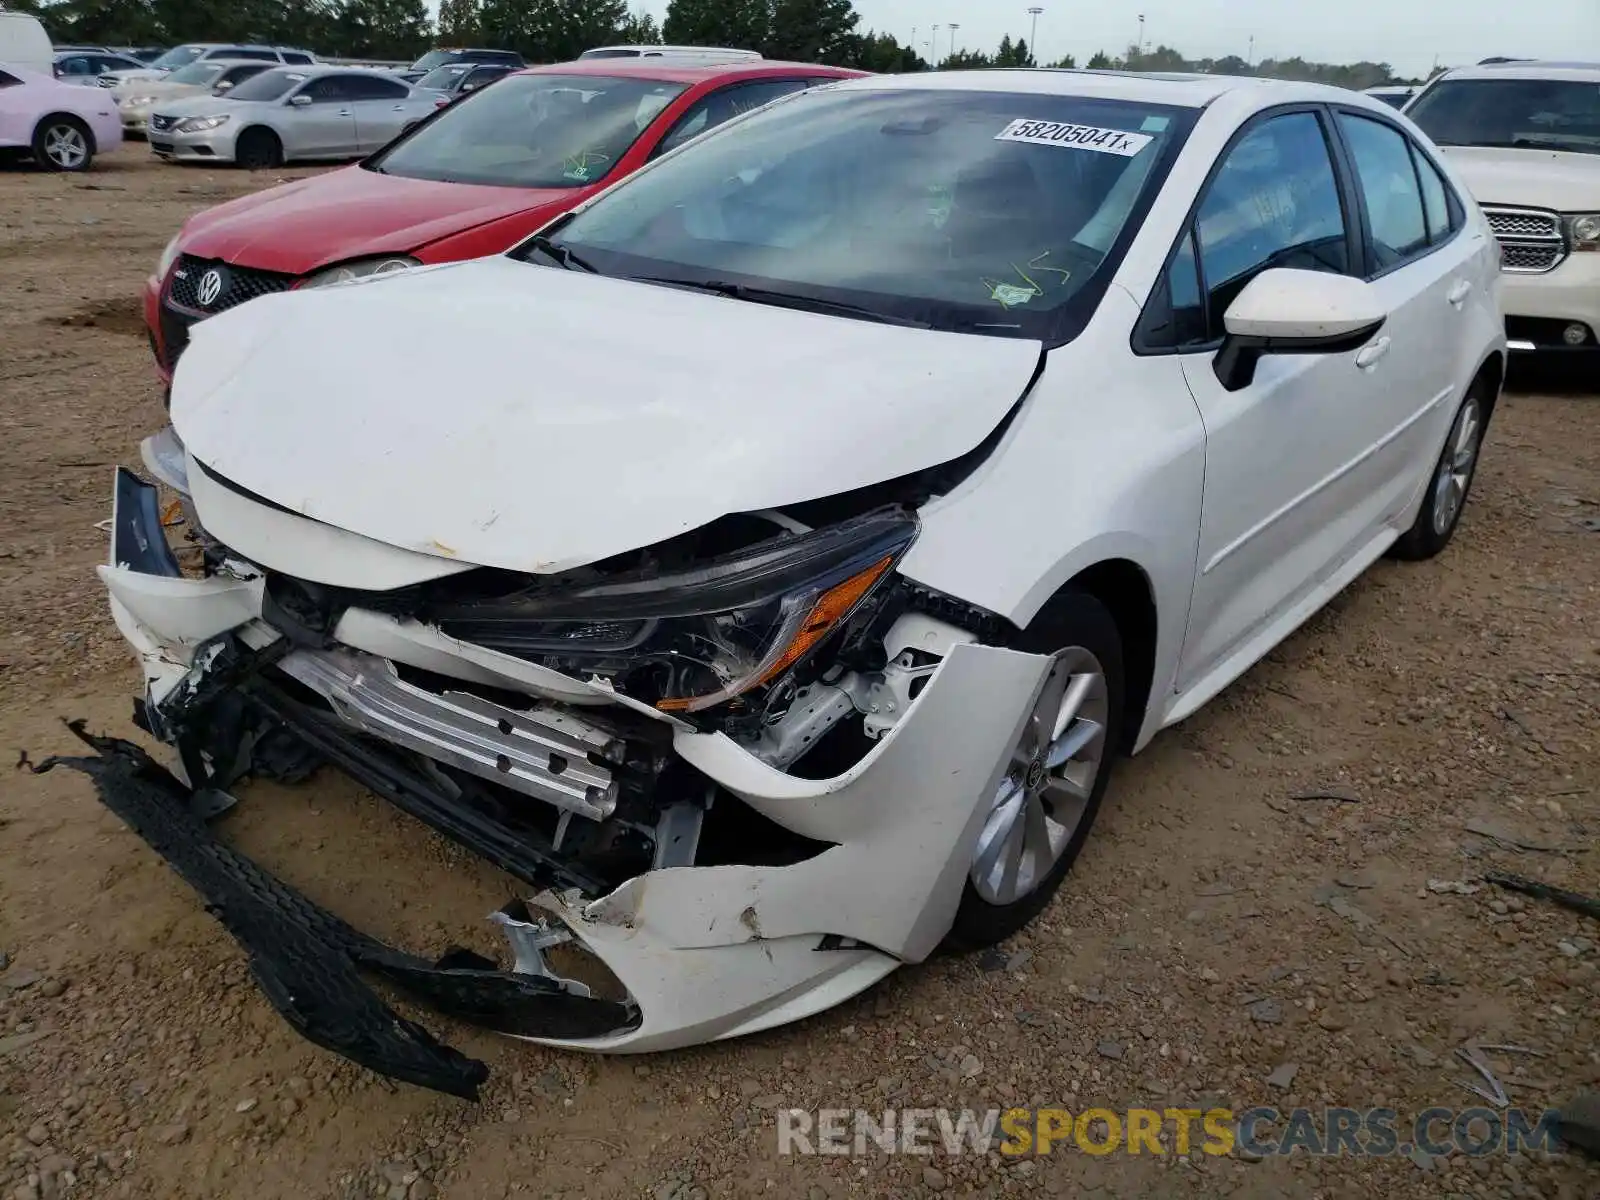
[(1530, 240), (213, 287)]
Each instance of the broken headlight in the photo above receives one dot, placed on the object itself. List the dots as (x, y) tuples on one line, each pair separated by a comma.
[(691, 640)]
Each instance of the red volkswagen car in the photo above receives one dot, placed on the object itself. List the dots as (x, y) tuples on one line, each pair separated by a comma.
[(474, 179)]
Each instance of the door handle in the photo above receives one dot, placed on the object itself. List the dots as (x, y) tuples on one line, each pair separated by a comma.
[(399, 108), (1458, 294), (1369, 355), (345, 112)]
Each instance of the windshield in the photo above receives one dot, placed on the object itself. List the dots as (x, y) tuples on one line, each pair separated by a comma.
[(178, 56), (434, 58), (960, 210), (199, 73), (444, 78), (269, 85), (1539, 114), (547, 131), (609, 54)]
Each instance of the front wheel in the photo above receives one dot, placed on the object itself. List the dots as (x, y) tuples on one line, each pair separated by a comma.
[(1044, 806), (1448, 484), (63, 143), (258, 150)]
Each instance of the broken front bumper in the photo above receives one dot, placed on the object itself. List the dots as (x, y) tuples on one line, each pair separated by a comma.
[(705, 952)]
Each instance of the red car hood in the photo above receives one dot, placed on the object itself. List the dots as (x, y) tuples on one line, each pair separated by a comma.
[(352, 213)]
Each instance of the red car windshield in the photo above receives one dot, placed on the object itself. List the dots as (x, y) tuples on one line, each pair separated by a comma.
[(543, 131)]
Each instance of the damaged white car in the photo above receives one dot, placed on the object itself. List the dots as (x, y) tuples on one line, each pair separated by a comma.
[(766, 564)]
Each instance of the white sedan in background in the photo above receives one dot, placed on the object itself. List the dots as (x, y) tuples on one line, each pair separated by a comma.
[(813, 519), (290, 114), (60, 125)]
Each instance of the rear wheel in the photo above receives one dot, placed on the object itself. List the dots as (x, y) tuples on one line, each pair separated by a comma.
[(63, 143), (1044, 806), (258, 149), (1449, 483)]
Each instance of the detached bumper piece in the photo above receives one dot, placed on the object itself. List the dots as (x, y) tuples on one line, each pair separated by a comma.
[(308, 962)]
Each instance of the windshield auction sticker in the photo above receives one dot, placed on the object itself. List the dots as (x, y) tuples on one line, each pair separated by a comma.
[(1078, 137)]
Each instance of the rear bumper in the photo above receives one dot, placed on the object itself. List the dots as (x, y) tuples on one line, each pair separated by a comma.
[(704, 952)]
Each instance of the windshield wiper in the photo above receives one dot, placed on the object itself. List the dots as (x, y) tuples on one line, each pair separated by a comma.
[(568, 258), (755, 295)]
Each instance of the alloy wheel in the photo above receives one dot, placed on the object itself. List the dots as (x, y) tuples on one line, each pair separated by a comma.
[(65, 146), (1456, 465), (1045, 793)]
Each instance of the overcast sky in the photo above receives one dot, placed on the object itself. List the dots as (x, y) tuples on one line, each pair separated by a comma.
[(1406, 33)]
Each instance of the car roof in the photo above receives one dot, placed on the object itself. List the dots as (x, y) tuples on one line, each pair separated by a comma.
[(1182, 90), (310, 69), (1578, 72), (663, 69)]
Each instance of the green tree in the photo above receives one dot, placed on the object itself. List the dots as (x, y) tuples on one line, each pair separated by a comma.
[(966, 60), (1013, 55), (459, 22), (743, 24), (382, 28), (639, 29), (810, 30), (1100, 61), (1066, 64), (880, 53)]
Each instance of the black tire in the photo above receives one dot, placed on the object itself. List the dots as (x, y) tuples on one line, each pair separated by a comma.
[(1438, 516), (258, 149), (61, 142), (1072, 619)]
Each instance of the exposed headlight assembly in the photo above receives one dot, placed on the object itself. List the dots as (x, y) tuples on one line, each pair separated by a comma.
[(690, 641), (201, 124), (1583, 230), (363, 269)]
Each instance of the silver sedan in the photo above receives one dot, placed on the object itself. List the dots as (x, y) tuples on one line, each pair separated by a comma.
[(288, 114)]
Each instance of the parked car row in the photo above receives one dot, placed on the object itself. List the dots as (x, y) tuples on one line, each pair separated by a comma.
[(764, 547), (1526, 138)]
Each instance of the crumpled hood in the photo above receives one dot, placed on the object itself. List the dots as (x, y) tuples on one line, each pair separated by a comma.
[(1526, 178), (534, 419), (298, 227)]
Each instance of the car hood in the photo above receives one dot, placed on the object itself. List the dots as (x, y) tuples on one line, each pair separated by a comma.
[(132, 76), (534, 419), (159, 89), (351, 213), (206, 105), (1526, 178)]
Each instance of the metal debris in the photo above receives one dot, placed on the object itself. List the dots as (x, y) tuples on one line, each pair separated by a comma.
[(1586, 905), (1497, 1096)]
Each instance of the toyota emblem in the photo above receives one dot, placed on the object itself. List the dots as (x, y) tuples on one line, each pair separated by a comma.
[(210, 288)]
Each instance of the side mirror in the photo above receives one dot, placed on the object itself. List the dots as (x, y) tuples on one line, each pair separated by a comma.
[(300, 101), (223, 86), (1288, 311)]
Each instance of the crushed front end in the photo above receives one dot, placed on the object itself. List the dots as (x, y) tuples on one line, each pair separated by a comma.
[(738, 774)]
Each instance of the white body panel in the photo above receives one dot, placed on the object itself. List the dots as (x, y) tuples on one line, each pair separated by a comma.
[(24, 105), (24, 43), (589, 416)]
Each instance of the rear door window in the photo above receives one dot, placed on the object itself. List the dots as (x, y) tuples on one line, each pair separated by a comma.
[(1389, 187)]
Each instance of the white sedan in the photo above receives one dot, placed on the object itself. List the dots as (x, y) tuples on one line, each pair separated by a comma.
[(767, 564), (289, 114)]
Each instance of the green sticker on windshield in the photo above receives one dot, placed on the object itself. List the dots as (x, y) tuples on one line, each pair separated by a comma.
[(1010, 295), (584, 166)]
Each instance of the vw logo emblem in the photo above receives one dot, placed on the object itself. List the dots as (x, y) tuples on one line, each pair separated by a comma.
[(210, 288)]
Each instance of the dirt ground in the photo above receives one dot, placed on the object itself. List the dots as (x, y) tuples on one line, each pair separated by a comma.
[(1217, 931)]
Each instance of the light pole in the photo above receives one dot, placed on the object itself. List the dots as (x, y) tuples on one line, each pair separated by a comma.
[(1033, 37), (1140, 46), (933, 48), (953, 28), (1250, 54)]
